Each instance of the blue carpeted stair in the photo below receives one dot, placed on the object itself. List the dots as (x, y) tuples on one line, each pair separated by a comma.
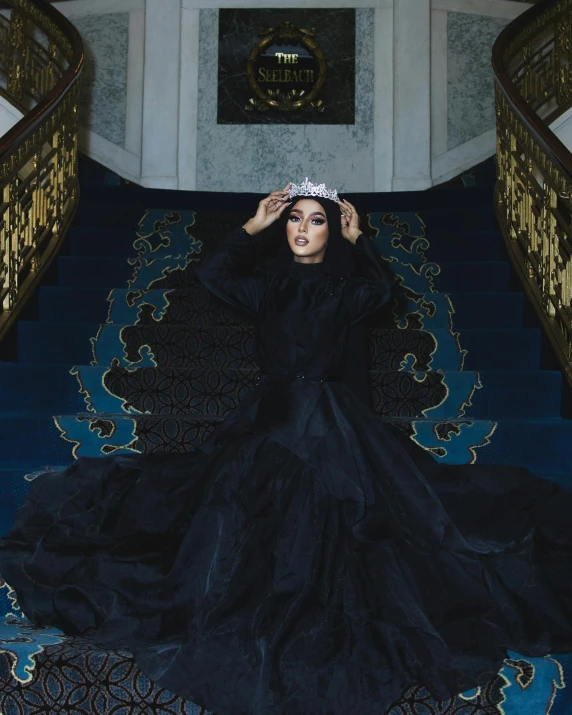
[(129, 352)]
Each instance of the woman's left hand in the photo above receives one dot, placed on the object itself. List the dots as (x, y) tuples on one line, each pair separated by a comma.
[(350, 221)]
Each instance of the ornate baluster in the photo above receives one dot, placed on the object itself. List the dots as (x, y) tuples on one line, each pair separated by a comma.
[(39, 172), (534, 187), (15, 50), (549, 249)]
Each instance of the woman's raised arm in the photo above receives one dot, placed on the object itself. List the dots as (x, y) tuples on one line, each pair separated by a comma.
[(230, 271), (374, 286)]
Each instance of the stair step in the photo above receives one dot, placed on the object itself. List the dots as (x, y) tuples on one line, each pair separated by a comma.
[(535, 444), (494, 349), (487, 310), (39, 387), (112, 214), (69, 304), (30, 672), (52, 389), (94, 272), (472, 277), (502, 395), (102, 209), (457, 217), (196, 306), (88, 241), (467, 245), (442, 245), (233, 347)]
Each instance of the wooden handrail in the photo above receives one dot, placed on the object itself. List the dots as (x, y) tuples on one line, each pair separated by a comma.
[(555, 150), (531, 61)]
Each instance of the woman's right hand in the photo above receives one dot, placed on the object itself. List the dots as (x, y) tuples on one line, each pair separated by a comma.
[(269, 209)]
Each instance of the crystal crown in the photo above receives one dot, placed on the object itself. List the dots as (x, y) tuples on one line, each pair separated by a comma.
[(307, 188)]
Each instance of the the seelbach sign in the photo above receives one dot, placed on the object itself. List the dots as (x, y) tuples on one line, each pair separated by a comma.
[(286, 70), (286, 65)]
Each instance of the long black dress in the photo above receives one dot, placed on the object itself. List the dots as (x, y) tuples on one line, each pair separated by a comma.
[(304, 560)]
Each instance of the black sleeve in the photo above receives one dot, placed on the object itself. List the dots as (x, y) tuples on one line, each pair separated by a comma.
[(374, 286), (230, 273)]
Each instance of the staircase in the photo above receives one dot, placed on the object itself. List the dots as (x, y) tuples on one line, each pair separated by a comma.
[(128, 352)]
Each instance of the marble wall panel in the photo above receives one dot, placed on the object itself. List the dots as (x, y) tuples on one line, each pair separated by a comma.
[(263, 158), (103, 97), (470, 88)]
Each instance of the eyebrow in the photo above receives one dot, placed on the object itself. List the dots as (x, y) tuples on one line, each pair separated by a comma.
[(314, 213)]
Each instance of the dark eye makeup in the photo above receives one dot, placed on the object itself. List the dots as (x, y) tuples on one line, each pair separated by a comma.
[(320, 221)]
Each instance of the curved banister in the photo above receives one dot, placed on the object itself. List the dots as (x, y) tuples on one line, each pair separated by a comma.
[(42, 61), (550, 143), (532, 64)]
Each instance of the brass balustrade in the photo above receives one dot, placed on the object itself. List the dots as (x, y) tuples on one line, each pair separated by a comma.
[(532, 62), (41, 59)]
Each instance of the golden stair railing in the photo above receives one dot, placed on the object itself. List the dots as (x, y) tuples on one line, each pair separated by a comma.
[(532, 63), (41, 59)]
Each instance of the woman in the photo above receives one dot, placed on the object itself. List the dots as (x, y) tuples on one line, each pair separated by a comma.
[(305, 559)]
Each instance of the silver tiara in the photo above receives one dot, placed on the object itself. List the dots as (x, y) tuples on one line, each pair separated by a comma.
[(307, 188)]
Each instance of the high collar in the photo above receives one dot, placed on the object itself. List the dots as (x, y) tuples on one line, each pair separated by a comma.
[(306, 270)]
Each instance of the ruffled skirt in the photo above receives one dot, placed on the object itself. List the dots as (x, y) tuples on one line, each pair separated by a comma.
[(306, 560)]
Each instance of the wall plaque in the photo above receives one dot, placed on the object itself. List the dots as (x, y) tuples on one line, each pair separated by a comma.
[(286, 66)]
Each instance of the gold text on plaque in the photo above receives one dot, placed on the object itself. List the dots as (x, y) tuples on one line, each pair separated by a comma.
[(266, 67)]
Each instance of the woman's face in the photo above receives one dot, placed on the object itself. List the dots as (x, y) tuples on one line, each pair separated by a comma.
[(307, 231)]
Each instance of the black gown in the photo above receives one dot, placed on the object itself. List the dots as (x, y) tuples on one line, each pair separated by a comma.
[(306, 559)]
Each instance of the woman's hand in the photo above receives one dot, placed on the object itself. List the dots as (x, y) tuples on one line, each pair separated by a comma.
[(269, 209), (350, 221)]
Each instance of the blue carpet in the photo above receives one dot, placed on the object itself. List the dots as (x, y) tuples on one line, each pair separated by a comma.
[(130, 353)]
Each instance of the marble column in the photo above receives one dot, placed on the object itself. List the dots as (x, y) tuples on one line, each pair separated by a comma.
[(383, 99), (159, 162), (411, 96)]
